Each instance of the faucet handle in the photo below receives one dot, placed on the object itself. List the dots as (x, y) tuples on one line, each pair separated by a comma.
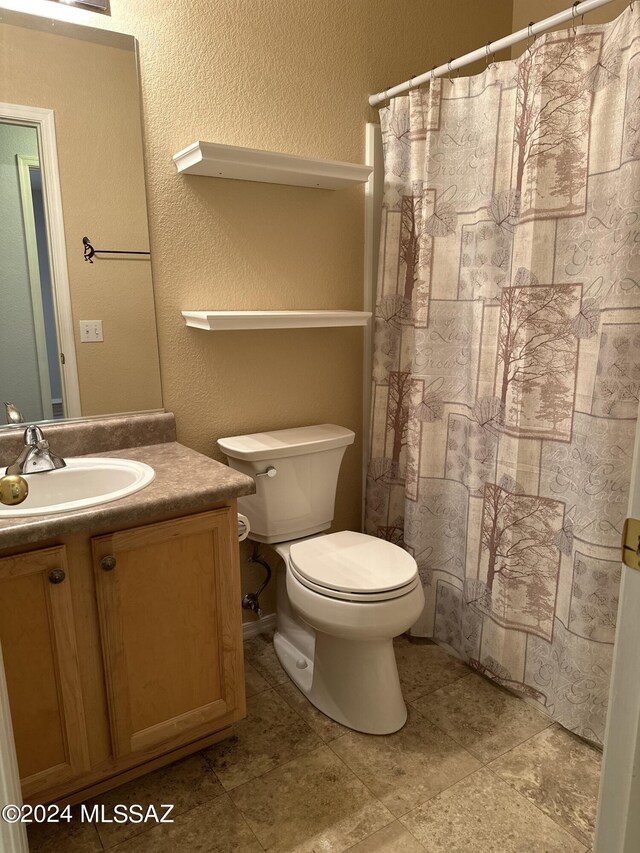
[(13, 490), (33, 435)]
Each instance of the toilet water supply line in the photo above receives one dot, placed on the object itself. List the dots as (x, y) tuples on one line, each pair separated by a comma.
[(491, 48), (251, 600)]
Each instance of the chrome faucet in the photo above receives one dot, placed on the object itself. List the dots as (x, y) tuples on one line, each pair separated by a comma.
[(36, 456)]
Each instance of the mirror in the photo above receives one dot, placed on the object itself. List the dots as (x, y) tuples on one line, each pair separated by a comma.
[(77, 330)]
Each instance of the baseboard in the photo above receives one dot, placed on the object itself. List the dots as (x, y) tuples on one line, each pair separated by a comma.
[(252, 629)]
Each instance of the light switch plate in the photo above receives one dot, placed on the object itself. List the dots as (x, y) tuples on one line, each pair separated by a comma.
[(91, 331)]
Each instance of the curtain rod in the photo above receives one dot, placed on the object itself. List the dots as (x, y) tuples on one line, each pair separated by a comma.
[(533, 29)]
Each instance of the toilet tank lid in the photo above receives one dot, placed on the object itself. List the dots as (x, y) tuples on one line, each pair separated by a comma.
[(286, 442)]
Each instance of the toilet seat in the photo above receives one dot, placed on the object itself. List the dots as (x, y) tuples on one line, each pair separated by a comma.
[(353, 567), (353, 596)]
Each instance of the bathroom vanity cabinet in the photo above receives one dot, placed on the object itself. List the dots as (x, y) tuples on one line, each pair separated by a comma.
[(122, 651), (42, 669)]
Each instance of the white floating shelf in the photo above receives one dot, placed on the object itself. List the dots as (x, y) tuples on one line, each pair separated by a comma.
[(270, 167), (214, 321)]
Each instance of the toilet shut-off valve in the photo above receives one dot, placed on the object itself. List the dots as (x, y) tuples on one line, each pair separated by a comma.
[(250, 602)]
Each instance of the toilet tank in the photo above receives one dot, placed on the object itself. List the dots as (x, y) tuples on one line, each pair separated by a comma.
[(299, 499)]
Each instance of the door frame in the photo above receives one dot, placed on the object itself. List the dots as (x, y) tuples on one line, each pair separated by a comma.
[(618, 820), (43, 120), (13, 836), (25, 164), (374, 189)]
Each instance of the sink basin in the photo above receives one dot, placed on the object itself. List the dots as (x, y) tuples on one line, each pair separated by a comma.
[(83, 483)]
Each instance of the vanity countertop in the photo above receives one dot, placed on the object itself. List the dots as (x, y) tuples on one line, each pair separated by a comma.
[(185, 482)]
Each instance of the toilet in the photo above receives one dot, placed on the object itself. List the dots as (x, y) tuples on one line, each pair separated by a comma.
[(341, 597)]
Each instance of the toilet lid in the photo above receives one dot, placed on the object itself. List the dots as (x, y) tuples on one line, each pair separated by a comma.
[(353, 562)]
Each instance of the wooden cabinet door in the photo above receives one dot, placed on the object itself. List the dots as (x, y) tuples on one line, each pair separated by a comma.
[(169, 598), (41, 666)]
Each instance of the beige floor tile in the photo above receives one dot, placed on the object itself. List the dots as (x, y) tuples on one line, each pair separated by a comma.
[(271, 735), (185, 784), (482, 814), (481, 716), (215, 827), (560, 774), (323, 726), (392, 839), (259, 652), (314, 803), (408, 767), (425, 667), (63, 837), (254, 683)]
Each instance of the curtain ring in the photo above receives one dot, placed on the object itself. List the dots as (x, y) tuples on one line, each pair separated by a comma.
[(450, 72), (488, 51), (531, 36), (410, 83), (574, 15)]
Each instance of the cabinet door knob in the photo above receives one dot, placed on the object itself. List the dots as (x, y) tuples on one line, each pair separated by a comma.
[(56, 576), (108, 564)]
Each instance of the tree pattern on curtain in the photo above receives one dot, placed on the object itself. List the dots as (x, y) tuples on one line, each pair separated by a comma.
[(507, 358)]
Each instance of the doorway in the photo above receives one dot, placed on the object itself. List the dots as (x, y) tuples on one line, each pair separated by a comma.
[(38, 372), (40, 285)]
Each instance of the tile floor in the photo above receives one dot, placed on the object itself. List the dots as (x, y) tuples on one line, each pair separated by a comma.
[(475, 770)]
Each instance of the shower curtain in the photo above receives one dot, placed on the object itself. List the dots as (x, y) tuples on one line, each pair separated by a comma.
[(507, 358)]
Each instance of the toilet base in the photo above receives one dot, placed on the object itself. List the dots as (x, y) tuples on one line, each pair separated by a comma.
[(355, 683)]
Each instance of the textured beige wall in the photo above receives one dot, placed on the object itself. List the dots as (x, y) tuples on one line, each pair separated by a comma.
[(293, 76), (525, 11), (93, 89)]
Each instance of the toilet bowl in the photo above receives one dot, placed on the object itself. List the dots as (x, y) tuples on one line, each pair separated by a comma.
[(341, 597)]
